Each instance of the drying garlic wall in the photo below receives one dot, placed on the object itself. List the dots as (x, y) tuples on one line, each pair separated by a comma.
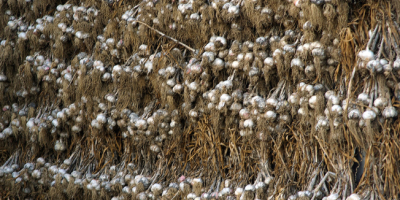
[(194, 99)]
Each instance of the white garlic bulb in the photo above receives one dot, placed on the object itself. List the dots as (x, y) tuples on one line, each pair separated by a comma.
[(312, 101), (193, 113), (272, 102), (141, 124), (369, 115), (235, 64), (337, 109), (380, 102), (364, 98), (239, 191), (301, 112), (334, 99), (178, 88), (296, 62), (248, 123), (236, 107), (353, 196), (244, 113), (101, 118), (155, 148), (366, 55), (354, 114), (270, 115), (389, 112), (59, 146), (294, 99), (218, 64), (210, 47), (225, 98)]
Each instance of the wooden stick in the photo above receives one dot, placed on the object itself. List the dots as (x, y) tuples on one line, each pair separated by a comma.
[(163, 35)]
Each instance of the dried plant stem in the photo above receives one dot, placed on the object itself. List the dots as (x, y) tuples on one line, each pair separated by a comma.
[(372, 36), (349, 92), (162, 34), (314, 176), (176, 195), (322, 183)]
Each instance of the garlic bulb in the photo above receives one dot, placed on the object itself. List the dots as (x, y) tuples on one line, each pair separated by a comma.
[(369, 115), (293, 99), (389, 112), (193, 114), (380, 102), (272, 102), (244, 113), (337, 109), (301, 112), (353, 196), (59, 146), (334, 99), (270, 115), (225, 98), (218, 64), (210, 47), (141, 124), (296, 62), (248, 123), (312, 101), (364, 98), (354, 114), (178, 88), (155, 148), (235, 64), (366, 55)]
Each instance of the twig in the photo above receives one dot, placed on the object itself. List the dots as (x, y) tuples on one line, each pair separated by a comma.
[(162, 34)]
